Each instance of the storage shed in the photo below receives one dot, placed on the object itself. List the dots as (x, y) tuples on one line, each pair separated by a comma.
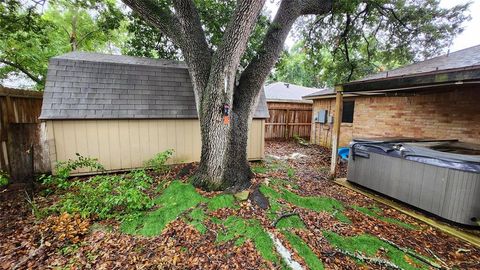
[(123, 110)]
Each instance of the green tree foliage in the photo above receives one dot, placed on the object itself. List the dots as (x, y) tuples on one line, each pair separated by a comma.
[(148, 41), (85, 25), (32, 33), (297, 66), (366, 36), (25, 44)]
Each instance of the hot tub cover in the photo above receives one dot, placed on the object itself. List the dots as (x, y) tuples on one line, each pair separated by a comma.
[(420, 151)]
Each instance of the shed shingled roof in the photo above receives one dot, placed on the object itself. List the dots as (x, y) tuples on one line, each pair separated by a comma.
[(83, 85)]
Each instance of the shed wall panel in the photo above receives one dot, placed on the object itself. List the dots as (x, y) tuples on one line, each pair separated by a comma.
[(127, 144)]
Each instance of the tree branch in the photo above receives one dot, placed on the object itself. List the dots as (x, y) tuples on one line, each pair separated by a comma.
[(254, 76), (194, 47), (160, 17), (86, 36), (22, 69), (237, 32)]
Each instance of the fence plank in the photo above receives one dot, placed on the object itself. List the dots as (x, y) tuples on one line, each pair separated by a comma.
[(18, 107), (288, 119)]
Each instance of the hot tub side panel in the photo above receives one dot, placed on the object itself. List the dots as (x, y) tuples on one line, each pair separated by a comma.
[(451, 194)]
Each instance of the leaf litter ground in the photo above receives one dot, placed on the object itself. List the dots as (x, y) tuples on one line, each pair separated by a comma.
[(324, 226)]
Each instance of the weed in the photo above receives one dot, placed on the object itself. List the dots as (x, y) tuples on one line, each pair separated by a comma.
[(157, 163), (106, 196), (64, 169), (4, 178), (36, 212), (300, 140), (290, 172), (69, 249), (303, 250)]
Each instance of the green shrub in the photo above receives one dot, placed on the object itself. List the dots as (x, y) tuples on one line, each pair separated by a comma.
[(64, 169), (105, 196), (4, 178), (157, 163)]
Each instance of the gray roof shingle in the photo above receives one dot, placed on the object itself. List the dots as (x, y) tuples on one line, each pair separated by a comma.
[(83, 85)]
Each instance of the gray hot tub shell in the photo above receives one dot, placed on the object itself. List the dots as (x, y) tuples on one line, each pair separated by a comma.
[(444, 183)]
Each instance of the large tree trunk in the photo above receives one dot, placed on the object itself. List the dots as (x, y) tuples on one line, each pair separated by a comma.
[(223, 162)]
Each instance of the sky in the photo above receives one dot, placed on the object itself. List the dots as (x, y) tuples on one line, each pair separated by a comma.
[(471, 34), (468, 38)]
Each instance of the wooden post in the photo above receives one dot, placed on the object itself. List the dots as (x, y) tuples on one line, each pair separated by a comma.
[(337, 121)]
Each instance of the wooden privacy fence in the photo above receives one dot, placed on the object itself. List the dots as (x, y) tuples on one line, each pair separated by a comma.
[(20, 134), (288, 119)]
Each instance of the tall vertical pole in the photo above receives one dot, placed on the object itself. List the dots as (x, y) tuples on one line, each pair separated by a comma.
[(337, 120)]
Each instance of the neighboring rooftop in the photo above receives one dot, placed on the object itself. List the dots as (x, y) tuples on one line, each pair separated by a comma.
[(465, 58), (287, 92), (326, 92), (460, 67), (83, 85)]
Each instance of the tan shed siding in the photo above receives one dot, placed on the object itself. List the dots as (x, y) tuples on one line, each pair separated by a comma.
[(453, 114), (126, 144)]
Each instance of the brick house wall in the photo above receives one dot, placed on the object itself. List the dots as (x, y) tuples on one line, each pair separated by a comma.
[(453, 114)]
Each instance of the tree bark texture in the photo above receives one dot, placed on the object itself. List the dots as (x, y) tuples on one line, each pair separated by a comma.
[(224, 164)]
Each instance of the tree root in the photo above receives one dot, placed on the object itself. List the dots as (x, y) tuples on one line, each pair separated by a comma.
[(285, 215), (415, 255), (372, 260)]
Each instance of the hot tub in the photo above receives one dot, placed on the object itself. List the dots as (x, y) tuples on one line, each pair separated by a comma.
[(440, 177)]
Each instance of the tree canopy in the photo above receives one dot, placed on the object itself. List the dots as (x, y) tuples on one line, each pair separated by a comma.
[(362, 37), (33, 32), (353, 40), (146, 40)]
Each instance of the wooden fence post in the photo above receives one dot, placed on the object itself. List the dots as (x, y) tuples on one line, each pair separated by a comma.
[(337, 120)]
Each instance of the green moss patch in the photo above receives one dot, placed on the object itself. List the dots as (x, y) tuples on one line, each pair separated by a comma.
[(318, 204), (304, 251), (376, 213), (175, 199), (196, 218), (240, 230), (370, 246), (259, 169), (222, 201), (290, 222)]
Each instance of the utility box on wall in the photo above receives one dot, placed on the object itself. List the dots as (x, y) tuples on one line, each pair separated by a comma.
[(321, 117)]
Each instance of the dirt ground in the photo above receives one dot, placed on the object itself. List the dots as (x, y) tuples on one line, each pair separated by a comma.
[(343, 237)]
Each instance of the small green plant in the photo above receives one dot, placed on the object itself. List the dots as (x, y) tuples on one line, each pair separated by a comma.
[(300, 140), (4, 178), (105, 196), (291, 172), (64, 169), (157, 163)]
